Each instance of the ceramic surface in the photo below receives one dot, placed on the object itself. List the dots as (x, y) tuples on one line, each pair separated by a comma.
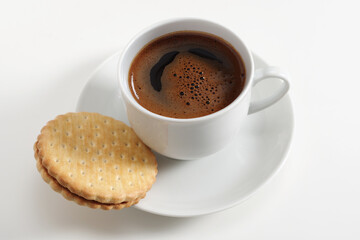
[(216, 182)]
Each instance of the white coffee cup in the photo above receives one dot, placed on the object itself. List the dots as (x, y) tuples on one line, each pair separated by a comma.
[(193, 138)]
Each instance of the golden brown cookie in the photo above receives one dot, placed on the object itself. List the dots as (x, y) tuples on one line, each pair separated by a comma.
[(97, 159)]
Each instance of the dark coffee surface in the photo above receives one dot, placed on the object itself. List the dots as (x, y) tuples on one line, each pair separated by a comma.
[(186, 75)]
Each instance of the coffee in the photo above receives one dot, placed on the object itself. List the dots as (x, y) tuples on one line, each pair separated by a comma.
[(186, 74)]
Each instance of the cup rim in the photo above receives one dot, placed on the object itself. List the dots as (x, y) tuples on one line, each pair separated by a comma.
[(238, 99)]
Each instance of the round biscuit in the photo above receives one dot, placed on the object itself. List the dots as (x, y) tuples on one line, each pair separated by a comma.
[(96, 157)]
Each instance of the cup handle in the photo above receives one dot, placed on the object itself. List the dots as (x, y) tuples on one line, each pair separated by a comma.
[(263, 74)]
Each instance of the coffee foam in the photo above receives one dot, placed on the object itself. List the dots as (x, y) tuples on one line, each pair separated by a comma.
[(192, 86), (197, 82)]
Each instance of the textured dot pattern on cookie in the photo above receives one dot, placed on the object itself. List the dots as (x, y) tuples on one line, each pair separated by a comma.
[(73, 197), (97, 157)]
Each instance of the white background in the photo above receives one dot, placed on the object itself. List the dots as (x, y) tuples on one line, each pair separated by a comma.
[(48, 49)]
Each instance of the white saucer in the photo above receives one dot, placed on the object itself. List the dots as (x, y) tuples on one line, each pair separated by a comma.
[(211, 184)]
